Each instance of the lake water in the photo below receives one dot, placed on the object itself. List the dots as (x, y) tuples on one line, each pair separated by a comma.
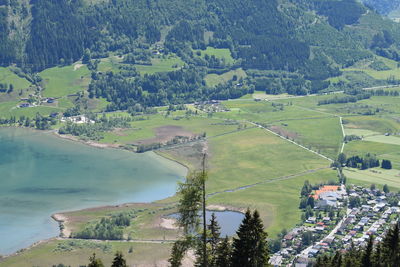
[(41, 174), (229, 221)]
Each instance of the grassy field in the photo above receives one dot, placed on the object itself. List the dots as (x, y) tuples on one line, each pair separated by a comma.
[(147, 128), (265, 112), (376, 176), (9, 77), (77, 253), (224, 53), (161, 64), (393, 70), (363, 147), (252, 156), (378, 124), (8, 109), (277, 201), (394, 140), (321, 135), (215, 79), (62, 81)]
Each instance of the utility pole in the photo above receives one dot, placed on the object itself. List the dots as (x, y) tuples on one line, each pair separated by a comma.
[(204, 212)]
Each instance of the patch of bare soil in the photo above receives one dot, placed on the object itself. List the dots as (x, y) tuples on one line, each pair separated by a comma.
[(165, 134), (169, 224), (78, 66), (281, 131)]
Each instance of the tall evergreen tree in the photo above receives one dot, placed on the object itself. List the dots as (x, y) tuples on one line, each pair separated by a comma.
[(391, 247), (366, 260), (214, 238), (223, 254), (119, 260), (250, 248)]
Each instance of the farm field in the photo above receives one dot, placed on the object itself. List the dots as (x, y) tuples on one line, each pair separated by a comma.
[(265, 112), (147, 128), (321, 135), (251, 156), (376, 176), (394, 140), (63, 81)]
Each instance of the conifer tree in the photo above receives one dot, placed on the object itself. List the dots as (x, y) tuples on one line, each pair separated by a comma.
[(119, 260), (214, 238), (250, 248), (366, 260), (223, 253), (95, 262), (391, 246)]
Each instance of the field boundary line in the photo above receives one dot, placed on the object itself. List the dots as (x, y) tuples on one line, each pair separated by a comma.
[(281, 178), (291, 141)]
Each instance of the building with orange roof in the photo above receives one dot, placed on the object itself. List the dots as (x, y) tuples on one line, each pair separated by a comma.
[(323, 189)]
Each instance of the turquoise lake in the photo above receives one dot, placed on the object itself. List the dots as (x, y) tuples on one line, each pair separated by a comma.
[(41, 174)]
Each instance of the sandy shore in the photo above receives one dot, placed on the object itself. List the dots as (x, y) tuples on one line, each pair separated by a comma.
[(62, 221)]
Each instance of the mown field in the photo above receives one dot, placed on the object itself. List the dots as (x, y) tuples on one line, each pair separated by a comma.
[(63, 81), (375, 176)]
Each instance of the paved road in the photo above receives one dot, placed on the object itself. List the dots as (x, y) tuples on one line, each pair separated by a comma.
[(331, 234)]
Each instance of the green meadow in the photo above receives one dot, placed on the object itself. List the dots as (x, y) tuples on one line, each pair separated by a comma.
[(376, 176), (9, 77), (215, 79), (220, 53), (63, 81), (161, 64)]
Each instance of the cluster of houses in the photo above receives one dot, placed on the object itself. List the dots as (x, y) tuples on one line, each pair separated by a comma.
[(372, 216), (26, 104), (210, 106), (80, 119)]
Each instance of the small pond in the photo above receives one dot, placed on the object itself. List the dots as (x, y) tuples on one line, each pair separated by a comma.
[(229, 221)]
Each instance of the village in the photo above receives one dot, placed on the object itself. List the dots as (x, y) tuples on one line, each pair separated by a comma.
[(343, 217)]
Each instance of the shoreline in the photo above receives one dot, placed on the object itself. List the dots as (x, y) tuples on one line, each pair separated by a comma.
[(60, 217)]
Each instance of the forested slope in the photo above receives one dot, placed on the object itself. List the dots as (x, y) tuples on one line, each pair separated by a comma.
[(287, 45)]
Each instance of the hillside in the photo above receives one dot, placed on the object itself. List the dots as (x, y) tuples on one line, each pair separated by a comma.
[(280, 46), (383, 6)]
